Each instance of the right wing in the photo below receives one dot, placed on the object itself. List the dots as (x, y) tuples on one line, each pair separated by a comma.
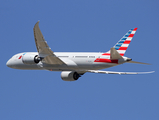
[(112, 72), (43, 49)]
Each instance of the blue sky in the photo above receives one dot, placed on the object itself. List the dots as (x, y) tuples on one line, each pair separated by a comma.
[(80, 26)]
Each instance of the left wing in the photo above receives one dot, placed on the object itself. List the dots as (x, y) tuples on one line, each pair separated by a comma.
[(112, 72), (43, 49)]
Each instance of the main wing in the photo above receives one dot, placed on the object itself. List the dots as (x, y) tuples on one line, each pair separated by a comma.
[(113, 72), (43, 49)]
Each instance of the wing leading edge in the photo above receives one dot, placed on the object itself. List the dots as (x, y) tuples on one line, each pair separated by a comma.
[(120, 73), (43, 49)]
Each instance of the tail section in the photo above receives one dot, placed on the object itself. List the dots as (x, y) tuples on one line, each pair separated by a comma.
[(114, 55), (124, 42), (138, 62)]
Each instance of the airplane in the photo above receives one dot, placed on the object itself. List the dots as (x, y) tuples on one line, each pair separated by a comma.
[(73, 64)]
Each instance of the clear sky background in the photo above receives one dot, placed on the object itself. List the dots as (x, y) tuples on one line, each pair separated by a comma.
[(80, 26)]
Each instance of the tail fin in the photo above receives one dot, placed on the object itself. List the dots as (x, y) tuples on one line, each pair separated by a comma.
[(122, 45)]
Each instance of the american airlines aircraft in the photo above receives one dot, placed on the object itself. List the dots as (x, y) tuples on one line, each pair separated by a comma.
[(73, 64)]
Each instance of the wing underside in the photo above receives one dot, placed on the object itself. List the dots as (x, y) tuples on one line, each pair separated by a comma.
[(43, 49), (120, 73)]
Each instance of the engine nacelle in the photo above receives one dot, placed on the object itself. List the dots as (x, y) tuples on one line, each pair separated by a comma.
[(69, 75), (30, 59)]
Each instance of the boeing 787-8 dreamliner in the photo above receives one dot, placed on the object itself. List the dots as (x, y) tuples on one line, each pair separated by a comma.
[(73, 64)]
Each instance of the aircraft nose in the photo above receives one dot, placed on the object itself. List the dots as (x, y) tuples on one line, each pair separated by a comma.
[(9, 63)]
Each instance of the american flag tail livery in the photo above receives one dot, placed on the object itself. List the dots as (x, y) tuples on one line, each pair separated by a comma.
[(124, 42), (73, 64)]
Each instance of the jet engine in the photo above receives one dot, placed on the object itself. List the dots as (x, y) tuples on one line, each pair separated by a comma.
[(30, 59), (69, 75)]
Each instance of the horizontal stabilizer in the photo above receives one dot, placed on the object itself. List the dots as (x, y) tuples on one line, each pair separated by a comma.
[(114, 55), (138, 62), (120, 73)]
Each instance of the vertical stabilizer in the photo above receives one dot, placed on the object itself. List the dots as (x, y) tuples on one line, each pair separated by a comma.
[(124, 42), (122, 45)]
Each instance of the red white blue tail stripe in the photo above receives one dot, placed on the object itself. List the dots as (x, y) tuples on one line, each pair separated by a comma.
[(124, 42)]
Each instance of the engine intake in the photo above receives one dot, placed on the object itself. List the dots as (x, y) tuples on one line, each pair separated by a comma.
[(70, 75), (30, 59)]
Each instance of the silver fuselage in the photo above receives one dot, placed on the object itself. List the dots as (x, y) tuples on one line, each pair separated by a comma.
[(74, 61)]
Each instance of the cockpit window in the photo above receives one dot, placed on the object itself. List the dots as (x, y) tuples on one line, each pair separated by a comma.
[(20, 57)]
